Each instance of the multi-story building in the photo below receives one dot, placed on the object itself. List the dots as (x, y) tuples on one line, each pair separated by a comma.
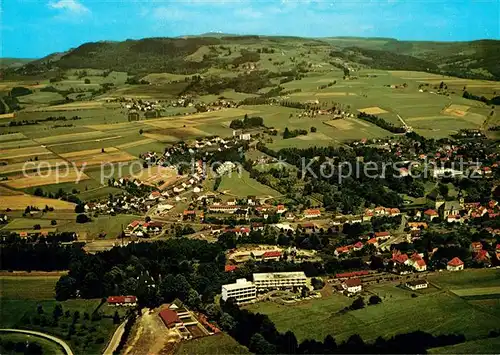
[(242, 290), (279, 280)]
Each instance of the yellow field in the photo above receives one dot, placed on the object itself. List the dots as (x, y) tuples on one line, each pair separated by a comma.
[(423, 118), (339, 124), (22, 182), (374, 110), (21, 202), (73, 106), (154, 174), (456, 110), (8, 192), (160, 137), (73, 137), (136, 143), (23, 152), (338, 93), (115, 126), (12, 137), (30, 166), (317, 136), (96, 157), (7, 115)]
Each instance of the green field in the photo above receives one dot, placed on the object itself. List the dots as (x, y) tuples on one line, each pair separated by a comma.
[(435, 311), (27, 287), (21, 296), (483, 346), (242, 185), (218, 344), (48, 347)]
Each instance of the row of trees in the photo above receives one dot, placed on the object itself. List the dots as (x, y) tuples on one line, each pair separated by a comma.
[(381, 123)]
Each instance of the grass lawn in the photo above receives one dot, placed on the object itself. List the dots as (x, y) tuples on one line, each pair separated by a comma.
[(470, 278), (218, 344), (27, 287), (437, 313), (483, 346), (48, 347), (243, 185), (111, 225)]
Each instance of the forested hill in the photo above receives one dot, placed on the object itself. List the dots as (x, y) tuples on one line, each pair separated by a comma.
[(199, 54)]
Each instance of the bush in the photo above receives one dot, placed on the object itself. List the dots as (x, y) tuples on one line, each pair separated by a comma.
[(82, 218), (358, 303), (313, 129), (374, 299)]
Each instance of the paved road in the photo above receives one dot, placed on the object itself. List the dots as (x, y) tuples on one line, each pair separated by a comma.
[(115, 341), (61, 342)]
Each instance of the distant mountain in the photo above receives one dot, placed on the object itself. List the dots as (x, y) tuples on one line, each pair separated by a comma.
[(197, 54), (14, 62)]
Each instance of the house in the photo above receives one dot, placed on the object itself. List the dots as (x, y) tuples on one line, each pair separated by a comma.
[(399, 258), (455, 264), (251, 200), (373, 241), (417, 225), (476, 247), (271, 255), (453, 218), (352, 285), (188, 215), (281, 209), (312, 213), (358, 246), (343, 250), (417, 284), (170, 318), (418, 262), (154, 195), (231, 202), (382, 235), (497, 251), (430, 214), (229, 268), (482, 256), (450, 208), (129, 301)]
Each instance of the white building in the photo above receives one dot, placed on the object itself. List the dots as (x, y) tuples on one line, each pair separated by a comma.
[(352, 286), (279, 280), (417, 284), (242, 291)]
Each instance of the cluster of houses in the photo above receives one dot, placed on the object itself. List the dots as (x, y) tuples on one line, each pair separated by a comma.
[(143, 229), (459, 211)]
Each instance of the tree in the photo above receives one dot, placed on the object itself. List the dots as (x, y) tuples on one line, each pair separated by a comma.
[(286, 133), (147, 219), (358, 303), (374, 300), (53, 222), (79, 208), (65, 288), (116, 318), (39, 309), (58, 311), (87, 81), (76, 316), (259, 345), (82, 218), (227, 322), (37, 227), (313, 129)]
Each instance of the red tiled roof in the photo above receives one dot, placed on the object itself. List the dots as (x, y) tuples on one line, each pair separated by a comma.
[(421, 262), (122, 299), (455, 262), (482, 255), (134, 224), (312, 211), (358, 245), (272, 254), (189, 212), (382, 234), (372, 241), (352, 274), (170, 318), (229, 268), (352, 282), (430, 212), (400, 258)]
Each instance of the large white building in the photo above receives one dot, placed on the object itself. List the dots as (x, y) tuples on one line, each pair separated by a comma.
[(279, 280), (242, 291)]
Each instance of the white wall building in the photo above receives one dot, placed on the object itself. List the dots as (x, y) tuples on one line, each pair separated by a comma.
[(242, 291), (279, 280)]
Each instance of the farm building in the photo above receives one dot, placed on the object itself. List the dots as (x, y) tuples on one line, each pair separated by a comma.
[(129, 301), (312, 213), (170, 318), (455, 264), (352, 286)]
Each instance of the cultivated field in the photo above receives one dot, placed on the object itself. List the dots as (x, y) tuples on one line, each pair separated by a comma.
[(20, 202), (218, 344)]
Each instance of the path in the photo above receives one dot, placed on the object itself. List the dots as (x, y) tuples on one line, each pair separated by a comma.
[(115, 340), (408, 128), (61, 342)]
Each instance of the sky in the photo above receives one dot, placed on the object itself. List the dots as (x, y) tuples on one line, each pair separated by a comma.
[(35, 28)]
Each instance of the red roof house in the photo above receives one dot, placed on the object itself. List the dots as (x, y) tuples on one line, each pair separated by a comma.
[(455, 264), (271, 254), (170, 318), (117, 300), (229, 268)]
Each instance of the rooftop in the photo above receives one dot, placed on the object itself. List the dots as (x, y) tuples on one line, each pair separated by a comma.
[(238, 284), (278, 276)]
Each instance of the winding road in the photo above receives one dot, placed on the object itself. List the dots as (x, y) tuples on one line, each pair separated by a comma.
[(61, 342)]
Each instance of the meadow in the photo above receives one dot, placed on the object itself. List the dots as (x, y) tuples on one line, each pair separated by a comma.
[(48, 347), (218, 344), (22, 295), (436, 311)]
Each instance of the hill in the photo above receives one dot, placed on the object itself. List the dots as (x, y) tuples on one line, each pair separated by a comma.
[(14, 62), (197, 54)]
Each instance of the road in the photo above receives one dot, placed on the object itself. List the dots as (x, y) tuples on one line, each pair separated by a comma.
[(115, 340), (61, 342)]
